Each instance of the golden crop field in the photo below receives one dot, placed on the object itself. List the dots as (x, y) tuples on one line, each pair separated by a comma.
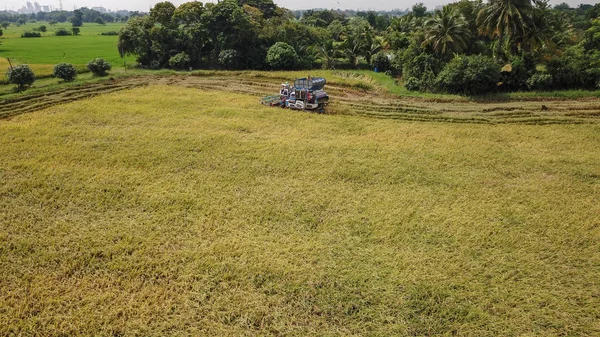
[(173, 210)]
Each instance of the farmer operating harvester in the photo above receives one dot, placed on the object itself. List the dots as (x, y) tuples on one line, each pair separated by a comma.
[(305, 94)]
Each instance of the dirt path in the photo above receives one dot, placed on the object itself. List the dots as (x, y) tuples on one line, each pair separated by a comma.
[(345, 100)]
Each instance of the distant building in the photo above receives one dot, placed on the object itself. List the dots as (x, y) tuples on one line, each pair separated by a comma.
[(30, 8)]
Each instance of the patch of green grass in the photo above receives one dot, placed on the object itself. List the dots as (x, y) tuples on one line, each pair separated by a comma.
[(177, 211), (43, 53), (393, 87), (14, 31)]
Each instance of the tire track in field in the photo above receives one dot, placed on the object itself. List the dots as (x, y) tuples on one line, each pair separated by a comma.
[(345, 100)]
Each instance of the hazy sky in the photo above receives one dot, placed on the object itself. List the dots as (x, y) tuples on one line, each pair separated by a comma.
[(144, 5)]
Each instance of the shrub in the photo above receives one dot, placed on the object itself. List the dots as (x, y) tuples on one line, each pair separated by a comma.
[(42, 29), (154, 65), (282, 56), (539, 81), (229, 58), (99, 67), (471, 75), (574, 69), (382, 62), (307, 61), (22, 76), (396, 63), (412, 84), (427, 82), (110, 33), (65, 71), (75, 30), (515, 76), (416, 66), (31, 34), (62, 32), (180, 61)]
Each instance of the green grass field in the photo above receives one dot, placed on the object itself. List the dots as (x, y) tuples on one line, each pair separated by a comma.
[(44, 52), (177, 211)]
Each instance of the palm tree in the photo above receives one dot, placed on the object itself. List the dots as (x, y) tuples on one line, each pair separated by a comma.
[(353, 47), (447, 32), (506, 20), (328, 52), (373, 44)]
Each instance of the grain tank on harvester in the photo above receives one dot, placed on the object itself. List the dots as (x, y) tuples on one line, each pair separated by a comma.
[(306, 94)]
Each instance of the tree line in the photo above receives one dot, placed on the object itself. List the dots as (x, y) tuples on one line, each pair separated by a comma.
[(84, 14), (466, 47)]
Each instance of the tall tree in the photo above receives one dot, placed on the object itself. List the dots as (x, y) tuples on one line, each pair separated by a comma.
[(447, 32), (505, 20), (163, 13), (77, 18)]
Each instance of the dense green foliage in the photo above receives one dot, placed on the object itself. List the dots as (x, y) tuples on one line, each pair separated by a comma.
[(381, 61), (21, 75), (77, 18), (282, 56), (62, 32), (99, 67), (65, 71), (469, 75), (180, 61), (540, 81), (31, 34), (515, 35), (522, 37)]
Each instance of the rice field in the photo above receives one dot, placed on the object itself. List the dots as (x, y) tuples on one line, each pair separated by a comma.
[(176, 205), (42, 53)]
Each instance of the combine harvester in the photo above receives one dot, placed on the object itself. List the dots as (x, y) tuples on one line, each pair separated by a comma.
[(305, 94)]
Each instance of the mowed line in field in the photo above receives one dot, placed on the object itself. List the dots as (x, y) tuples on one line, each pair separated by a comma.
[(345, 100), (174, 211)]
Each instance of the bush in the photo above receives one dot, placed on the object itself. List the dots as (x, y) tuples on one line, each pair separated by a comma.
[(110, 33), (412, 84), (282, 56), (515, 76), (99, 67), (75, 30), (31, 34), (62, 32), (574, 69), (22, 76), (539, 81), (42, 28), (180, 61), (396, 63), (417, 66), (382, 62), (229, 58), (154, 65), (427, 82), (470, 75), (65, 71)]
